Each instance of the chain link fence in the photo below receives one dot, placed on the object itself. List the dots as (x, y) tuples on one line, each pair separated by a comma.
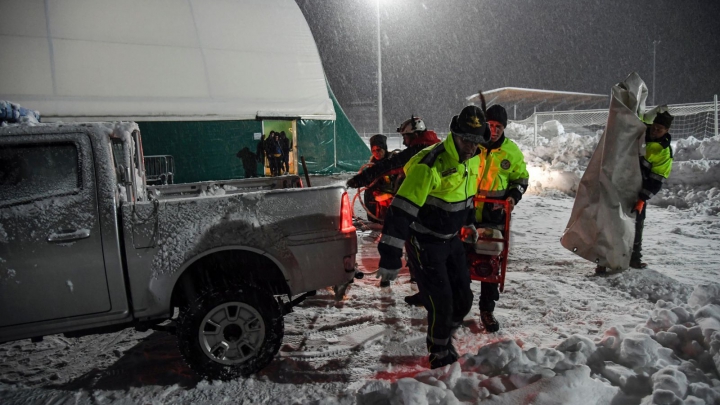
[(699, 120)]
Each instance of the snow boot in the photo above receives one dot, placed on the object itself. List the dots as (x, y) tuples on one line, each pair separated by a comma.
[(637, 264), (489, 322), (444, 357), (414, 300)]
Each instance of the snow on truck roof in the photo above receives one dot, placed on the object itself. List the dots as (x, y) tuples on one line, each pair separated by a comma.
[(119, 129), (95, 60)]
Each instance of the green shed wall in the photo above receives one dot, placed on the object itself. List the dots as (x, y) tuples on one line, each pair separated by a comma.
[(205, 150)]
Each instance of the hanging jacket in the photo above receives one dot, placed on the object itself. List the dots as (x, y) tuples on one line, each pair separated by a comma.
[(394, 163), (434, 201), (655, 165), (502, 173)]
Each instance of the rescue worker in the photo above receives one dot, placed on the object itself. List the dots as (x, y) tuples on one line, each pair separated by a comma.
[(503, 175), (416, 137), (655, 167), (379, 193), (433, 206)]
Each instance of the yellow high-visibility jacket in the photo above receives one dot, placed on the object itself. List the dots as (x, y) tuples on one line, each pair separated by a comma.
[(434, 201), (503, 173), (655, 165)]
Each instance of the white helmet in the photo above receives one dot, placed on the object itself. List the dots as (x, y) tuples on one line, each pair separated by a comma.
[(414, 124)]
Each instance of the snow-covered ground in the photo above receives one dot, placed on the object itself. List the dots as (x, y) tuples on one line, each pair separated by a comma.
[(648, 336)]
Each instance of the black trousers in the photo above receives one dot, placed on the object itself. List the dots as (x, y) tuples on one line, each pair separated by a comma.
[(637, 243), (443, 279), (490, 292)]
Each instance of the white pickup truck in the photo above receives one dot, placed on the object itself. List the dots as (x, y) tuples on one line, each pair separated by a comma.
[(87, 247)]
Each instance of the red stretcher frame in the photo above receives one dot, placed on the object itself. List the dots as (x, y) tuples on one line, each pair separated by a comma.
[(500, 276)]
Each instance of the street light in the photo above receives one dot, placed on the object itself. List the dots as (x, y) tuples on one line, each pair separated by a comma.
[(379, 73), (655, 42)]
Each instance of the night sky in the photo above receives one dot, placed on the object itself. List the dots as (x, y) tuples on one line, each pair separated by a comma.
[(435, 52)]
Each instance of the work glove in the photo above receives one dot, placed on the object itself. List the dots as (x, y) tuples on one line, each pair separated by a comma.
[(469, 234), (500, 207), (387, 275), (639, 205), (512, 202), (352, 183)]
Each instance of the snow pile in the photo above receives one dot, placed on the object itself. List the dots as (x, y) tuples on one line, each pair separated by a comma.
[(695, 180), (650, 285), (673, 357), (559, 160), (694, 149)]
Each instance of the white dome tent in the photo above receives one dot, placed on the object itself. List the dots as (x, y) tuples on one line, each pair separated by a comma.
[(162, 60)]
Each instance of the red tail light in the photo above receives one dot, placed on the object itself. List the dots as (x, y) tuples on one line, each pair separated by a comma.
[(346, 224)]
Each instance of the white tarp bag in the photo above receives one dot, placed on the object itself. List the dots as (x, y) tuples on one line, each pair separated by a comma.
[(601, 227)]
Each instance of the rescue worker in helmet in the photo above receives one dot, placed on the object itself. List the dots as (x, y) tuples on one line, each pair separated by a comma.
[(503, 175), (379, 193), (432, 208), (655, 167), (416, 137)]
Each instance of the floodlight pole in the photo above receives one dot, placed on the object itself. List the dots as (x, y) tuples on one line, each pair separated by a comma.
[(716, 115), (655, 42), (379, 73)]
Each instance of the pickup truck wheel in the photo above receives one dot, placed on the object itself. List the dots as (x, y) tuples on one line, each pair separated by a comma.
[(232, 332)]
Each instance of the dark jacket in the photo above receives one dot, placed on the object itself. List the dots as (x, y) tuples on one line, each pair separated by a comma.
[(272, 147), (395, 163), (285, 145)]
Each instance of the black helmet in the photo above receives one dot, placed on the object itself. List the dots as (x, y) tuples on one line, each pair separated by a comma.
[(471, 125)]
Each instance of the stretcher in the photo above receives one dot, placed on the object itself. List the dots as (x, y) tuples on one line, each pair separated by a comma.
[(487, 258)]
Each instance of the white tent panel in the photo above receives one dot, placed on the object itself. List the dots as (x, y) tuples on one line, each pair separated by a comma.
[(31, 58), (161, 59), (156, 71), (148, 22), (23, 18), (248, 24)]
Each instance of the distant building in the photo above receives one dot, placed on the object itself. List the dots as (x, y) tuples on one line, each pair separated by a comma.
[(521, 103)]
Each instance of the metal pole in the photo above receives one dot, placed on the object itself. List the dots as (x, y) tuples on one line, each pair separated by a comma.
[(304, 166), (654, 48), (334, 145), (535, 136), (515, 112), (716, 115), (379, 74)]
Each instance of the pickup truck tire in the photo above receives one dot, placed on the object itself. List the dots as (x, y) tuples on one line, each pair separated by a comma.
[(228, 332)]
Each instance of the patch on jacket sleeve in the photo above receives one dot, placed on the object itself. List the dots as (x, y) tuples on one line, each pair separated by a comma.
[(505, 164)]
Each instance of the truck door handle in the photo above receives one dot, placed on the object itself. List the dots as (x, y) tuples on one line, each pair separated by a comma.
[(68, 236)]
